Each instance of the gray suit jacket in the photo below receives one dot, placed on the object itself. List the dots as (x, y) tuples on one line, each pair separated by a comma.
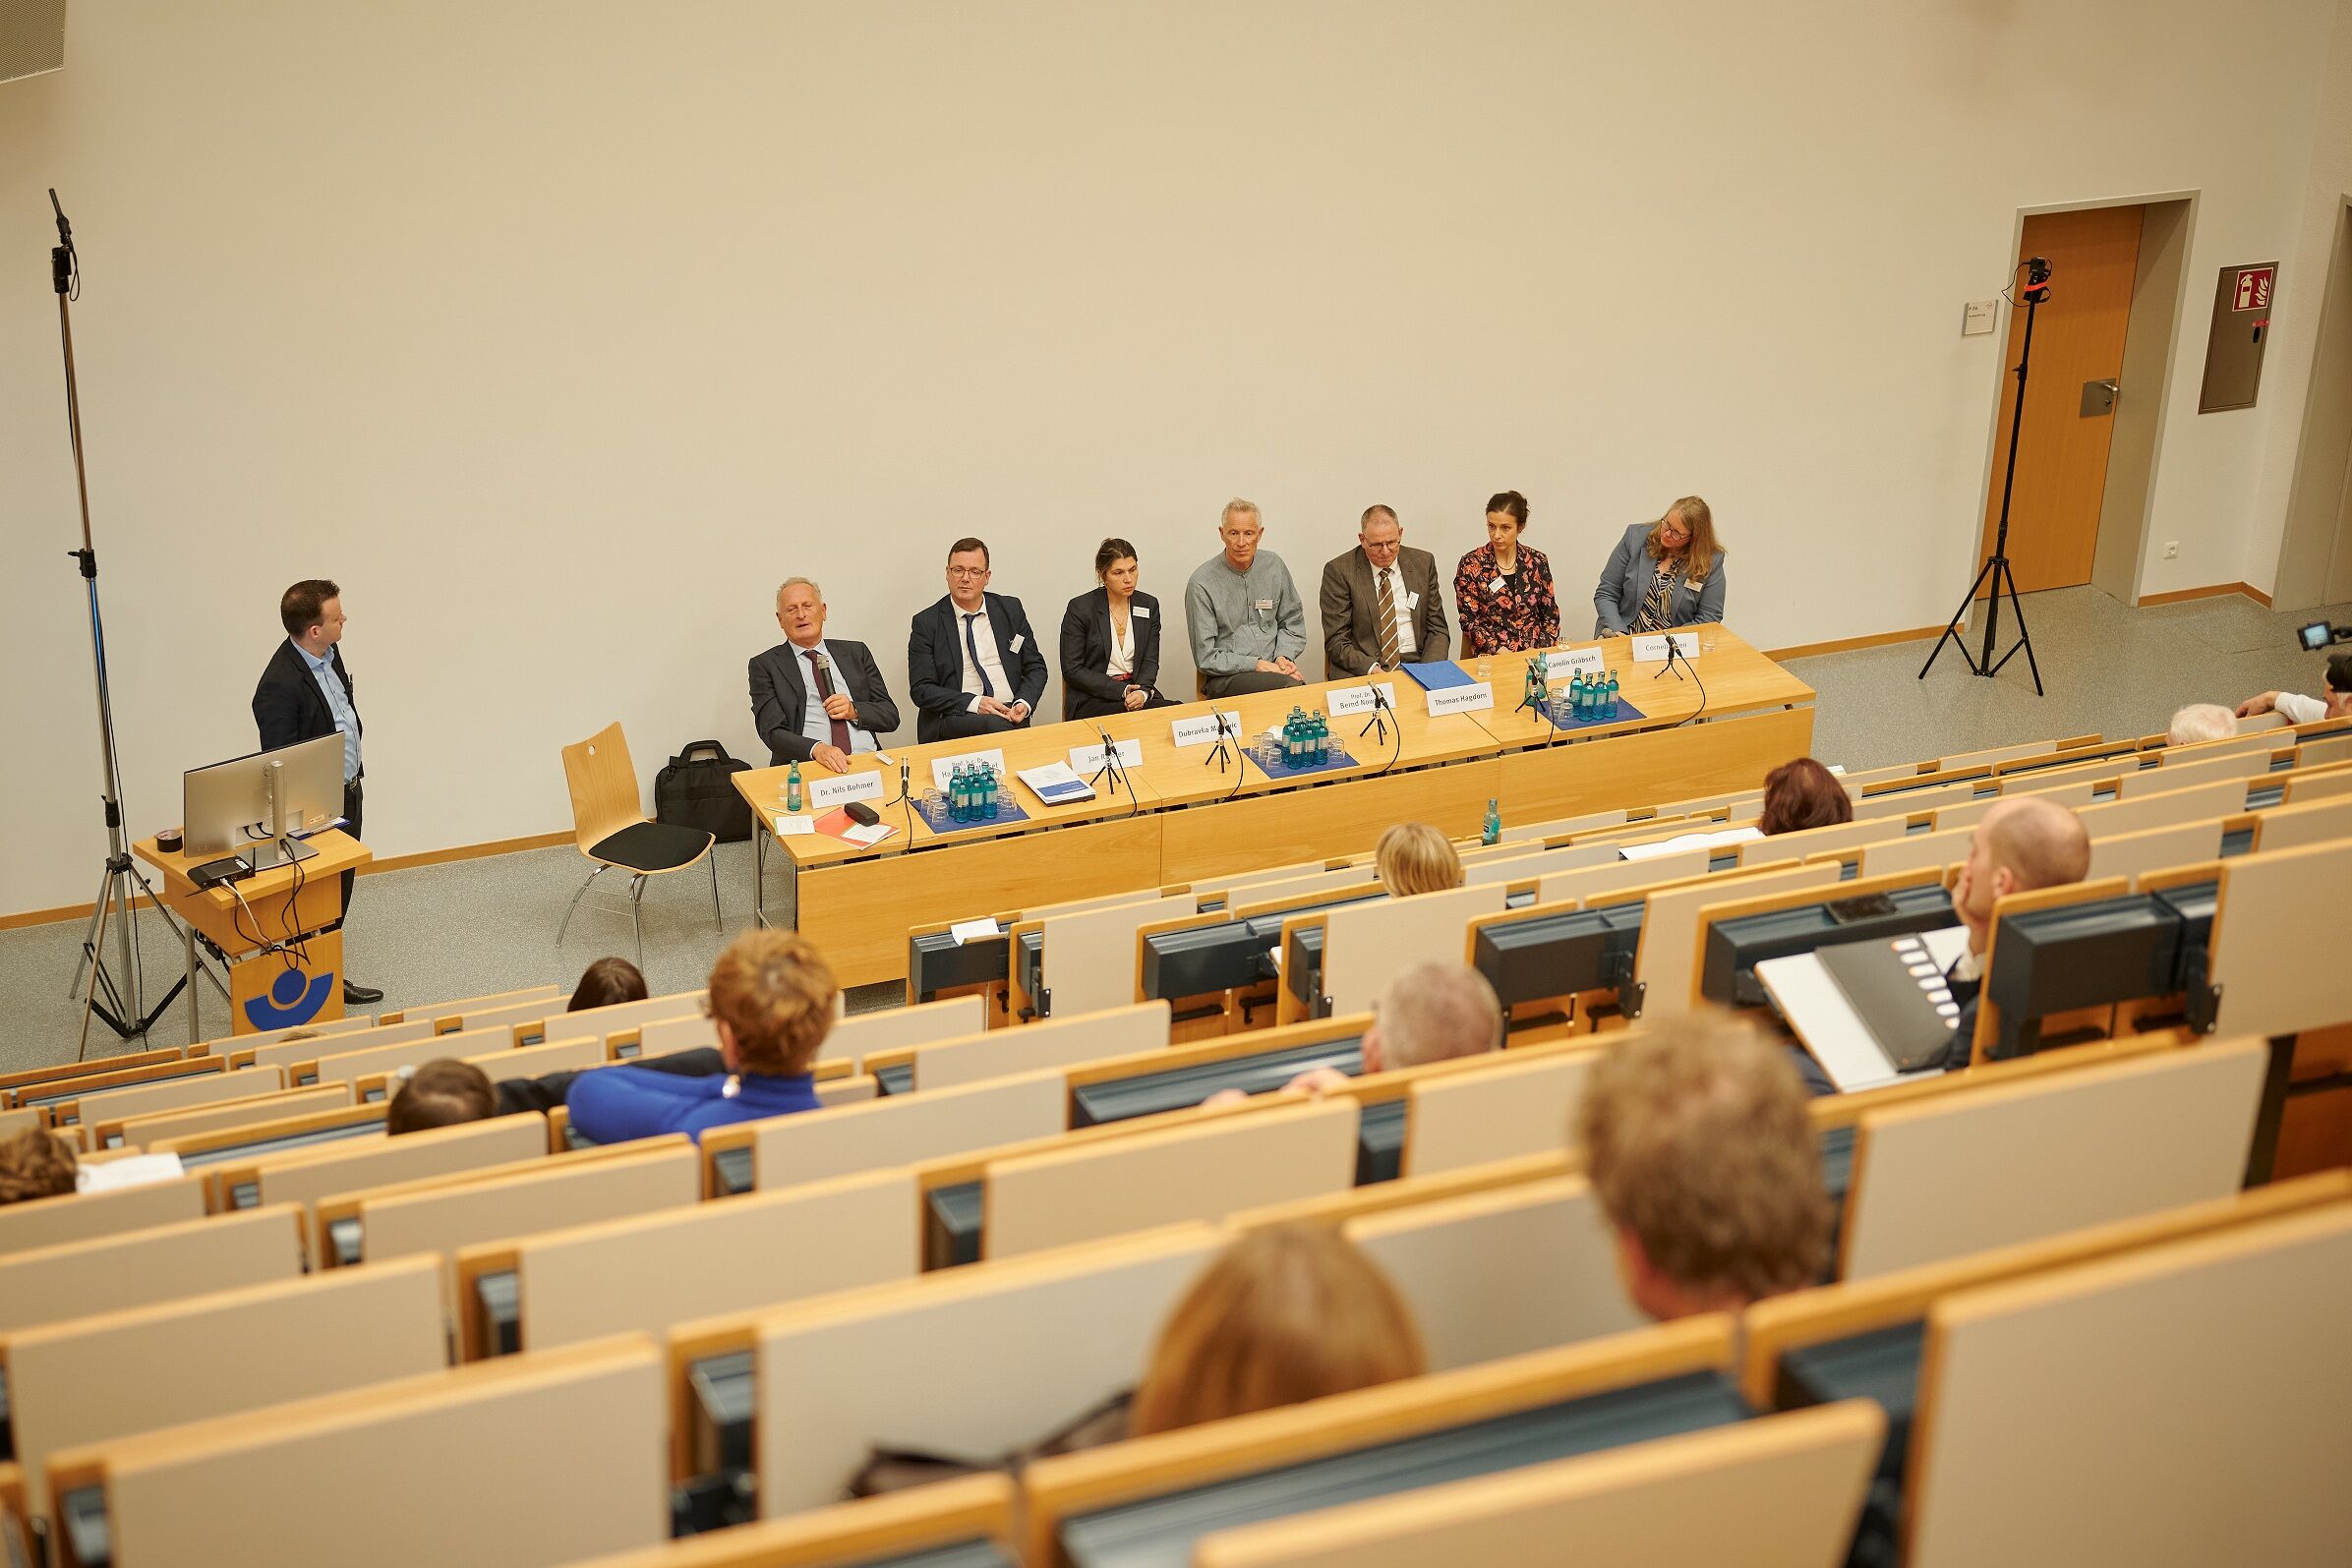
[(779, 699), (1350, 604), (1617, 601)]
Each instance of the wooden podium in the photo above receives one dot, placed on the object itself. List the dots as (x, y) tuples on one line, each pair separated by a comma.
[(266, 990)]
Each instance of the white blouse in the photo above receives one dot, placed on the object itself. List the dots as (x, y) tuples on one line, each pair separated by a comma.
[(1122, 661)]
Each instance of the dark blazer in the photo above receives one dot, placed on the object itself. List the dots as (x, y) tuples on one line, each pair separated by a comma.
[(1962, 1047), (1617, 599), (935, 658), (1350, 604), (287, 704), (1087, 645), (779, 699)]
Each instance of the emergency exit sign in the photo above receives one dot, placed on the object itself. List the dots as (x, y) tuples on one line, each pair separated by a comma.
[(2253, 292)]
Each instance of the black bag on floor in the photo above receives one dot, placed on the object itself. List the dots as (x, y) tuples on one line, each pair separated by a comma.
[(697, 790)]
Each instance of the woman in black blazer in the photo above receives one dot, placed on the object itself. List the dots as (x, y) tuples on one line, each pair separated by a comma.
[(1110, 641)]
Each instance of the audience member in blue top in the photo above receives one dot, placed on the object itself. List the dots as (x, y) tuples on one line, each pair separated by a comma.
[(772, 1001)]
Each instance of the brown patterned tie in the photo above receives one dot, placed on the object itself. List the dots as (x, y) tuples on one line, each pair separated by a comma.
[(1385, 603)]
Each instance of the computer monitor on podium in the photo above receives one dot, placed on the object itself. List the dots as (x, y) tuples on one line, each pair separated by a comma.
[(257, 806)]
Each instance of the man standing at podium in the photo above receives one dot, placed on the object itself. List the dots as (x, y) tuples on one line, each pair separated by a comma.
[(305, 693)]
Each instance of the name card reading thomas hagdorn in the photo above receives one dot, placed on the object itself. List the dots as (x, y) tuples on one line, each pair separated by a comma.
[(1462, 699)]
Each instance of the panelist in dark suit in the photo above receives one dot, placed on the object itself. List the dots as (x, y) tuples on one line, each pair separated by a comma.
[(1381, 607), (972, 664), (1662, 574), (816, 698), (1110, 641), (305, 692)]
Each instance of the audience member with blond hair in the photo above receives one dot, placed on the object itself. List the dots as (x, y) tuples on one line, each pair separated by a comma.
[(442, 1092), (1287, 1314), (1414, 858), (772, 999), (1699, 1148), (2201, 720), (36, 1164)]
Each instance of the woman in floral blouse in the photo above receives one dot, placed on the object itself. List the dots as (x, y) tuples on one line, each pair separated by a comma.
[(1503, 589)]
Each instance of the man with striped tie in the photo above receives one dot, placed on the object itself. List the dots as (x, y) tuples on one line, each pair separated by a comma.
[(1381, 607), (816, 698)]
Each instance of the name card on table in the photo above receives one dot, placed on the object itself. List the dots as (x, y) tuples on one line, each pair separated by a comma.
[(1651, 650), (1358, 699), (1202, 731), (1462, 699), (1088, 759), (943, 769), (839, 789), (1568, 663)]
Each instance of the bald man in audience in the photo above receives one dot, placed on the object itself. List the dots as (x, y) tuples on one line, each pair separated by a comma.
[(2201, 720), (2018, 847), (1706, 1165), (1433, 1011)]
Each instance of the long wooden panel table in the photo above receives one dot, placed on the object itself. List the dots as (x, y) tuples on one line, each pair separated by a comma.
[(1183, 818)]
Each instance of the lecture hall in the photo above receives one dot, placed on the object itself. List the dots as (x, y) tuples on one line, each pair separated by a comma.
[(1197, 784)]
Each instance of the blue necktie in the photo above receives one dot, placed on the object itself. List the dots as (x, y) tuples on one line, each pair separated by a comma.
[(972, 648)]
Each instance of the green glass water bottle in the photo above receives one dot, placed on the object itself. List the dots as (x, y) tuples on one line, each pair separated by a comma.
[(791, 788), (1493, 829)]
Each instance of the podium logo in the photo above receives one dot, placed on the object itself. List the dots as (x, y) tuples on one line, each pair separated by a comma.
[(292, 1000)]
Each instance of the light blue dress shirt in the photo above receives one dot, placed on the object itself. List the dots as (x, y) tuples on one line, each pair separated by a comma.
[(338, 701)]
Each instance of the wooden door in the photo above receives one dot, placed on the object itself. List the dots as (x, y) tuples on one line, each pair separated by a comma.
[(2077, 337)]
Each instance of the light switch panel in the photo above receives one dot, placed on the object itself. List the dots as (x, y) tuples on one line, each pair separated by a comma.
[(1979, 318)]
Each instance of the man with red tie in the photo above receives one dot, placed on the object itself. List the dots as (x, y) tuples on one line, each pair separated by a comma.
[(816, 698)]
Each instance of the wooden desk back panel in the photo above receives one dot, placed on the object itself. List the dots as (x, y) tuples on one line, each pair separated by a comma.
[(1204, 1171), (2294, 826), (908, 1128), (1901, 803), (1494, 1273), (547, 1011), (849, 1091), (763, 1250), (2072, 794), (693, 1032), (1593, 881), (2183, 774), (132, 1372), (449, 1218), (1782, 1492), (305, 1175), (1496, 1113), (1292, 890), (1050, 1043), (1962, 1173), (177, 1094), (157, 1125), (619, 1016), (920, 1025), (81, 1216), (1667, 960), (349, 1066), (283, 1052), (901, 1527), (2328, 785), (534, 1465), (2129, 854), (1538, 863), (351, 1024), (1365, 945), (2250, 741), (1089, 957), (2269, 930), (2164, 1409), (1562, 827), (1942, 847), (2319, 753), (2224, 797), (1792, 846), (461, 1007), (1062, 1334), (161, 1264)]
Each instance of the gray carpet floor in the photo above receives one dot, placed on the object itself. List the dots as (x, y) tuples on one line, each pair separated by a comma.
[(474, 926)]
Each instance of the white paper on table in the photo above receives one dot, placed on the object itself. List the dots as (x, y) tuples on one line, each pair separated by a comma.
[(1817, 1010), (972, 931), (131, 1170), (867, 836), (1056, 784), (794, 827), (1689, 840), (943, 769)]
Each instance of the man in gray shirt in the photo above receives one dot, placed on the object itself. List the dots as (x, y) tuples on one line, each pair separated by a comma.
[(1246, 625)]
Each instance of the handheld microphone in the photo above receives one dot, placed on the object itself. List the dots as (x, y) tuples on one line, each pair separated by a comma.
[(64, 230)]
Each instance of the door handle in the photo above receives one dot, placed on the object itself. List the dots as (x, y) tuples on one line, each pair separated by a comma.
[(2098, 397)]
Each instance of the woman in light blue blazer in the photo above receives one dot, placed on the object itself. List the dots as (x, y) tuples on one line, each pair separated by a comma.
[(1662, 574)]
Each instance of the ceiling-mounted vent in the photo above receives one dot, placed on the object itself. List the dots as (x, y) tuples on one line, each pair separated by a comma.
[(31, 37)]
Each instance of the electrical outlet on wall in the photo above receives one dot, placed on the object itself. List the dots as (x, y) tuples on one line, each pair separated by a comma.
[(2172, 549)]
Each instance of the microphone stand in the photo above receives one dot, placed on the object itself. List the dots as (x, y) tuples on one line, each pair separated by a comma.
[(1380, 712), (120, 882), (1379, 716), (1220, 756)]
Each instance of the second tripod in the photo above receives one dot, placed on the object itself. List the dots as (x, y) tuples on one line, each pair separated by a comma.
[(1996, 577)]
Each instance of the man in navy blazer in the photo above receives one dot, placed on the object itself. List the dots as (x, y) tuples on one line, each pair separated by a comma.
[(305, 693), (972, 664), (816, 698)]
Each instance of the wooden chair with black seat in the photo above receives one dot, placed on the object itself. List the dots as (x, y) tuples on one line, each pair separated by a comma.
[(609, 825)]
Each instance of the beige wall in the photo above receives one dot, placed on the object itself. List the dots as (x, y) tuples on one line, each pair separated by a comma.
[(561, 333)]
